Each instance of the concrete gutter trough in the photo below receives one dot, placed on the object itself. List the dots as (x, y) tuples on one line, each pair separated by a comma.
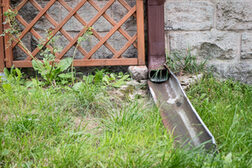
[(178, 115)]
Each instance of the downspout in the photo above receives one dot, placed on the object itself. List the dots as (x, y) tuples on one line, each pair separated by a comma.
[(177, 112), (156, 41)]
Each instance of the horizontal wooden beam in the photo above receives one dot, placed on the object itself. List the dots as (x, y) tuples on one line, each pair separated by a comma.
[(90, 62)]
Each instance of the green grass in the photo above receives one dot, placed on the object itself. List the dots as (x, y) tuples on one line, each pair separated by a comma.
[(185, 62), (226, 108), (84, 126)]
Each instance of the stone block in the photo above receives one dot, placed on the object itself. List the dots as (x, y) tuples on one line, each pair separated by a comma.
[(239, 71), (211, 45), (189, 15), (234, 14), (246, 46), (138, 72)]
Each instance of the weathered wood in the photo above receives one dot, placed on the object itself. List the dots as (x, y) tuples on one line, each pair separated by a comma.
[(111, 32), (21, 4), (137, 40), (125, 47), (78, 17), (7, 45), (90, 62), (97, 16), (111, 20), (34, 21), (140, 32), (2, 64), (59, 26), (33, 32), (54, 23)]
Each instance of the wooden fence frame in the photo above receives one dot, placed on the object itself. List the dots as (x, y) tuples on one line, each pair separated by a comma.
[(6, 58), (2, 57)]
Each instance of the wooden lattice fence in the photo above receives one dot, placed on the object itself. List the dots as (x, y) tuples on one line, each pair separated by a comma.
[(86, 56)]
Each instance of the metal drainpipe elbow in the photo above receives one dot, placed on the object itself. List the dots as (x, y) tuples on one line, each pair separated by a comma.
[(156, 41)]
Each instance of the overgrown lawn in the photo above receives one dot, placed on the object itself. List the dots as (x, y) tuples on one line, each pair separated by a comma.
[(84, 126)]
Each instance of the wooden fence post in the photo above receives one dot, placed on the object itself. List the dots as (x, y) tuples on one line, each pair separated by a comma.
[(7, 45), (140, 32), (2, 64)]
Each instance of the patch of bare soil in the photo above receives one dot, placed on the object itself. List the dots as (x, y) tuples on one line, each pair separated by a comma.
[(188, 79), (90, 124)]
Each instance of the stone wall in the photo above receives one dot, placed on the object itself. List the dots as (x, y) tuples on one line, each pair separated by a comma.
[(219, 30)]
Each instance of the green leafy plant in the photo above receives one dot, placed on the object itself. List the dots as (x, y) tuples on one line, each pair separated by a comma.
[(13, 30), (104, 78), (48, 68), (14, 75), (52, 71), (184, 62), (10, 19), (115, 80)]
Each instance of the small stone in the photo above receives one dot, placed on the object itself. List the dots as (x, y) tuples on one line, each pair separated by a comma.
[(143, 82), (138, 72)]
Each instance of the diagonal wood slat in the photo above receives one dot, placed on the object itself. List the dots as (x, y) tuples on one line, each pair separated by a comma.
[(136, 40), (98, 15), (62, 23), (34, 33), (78, 17), (111, 21), (34, 21), (54, 23), (111, 32), (125, 47), (21, 5)]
